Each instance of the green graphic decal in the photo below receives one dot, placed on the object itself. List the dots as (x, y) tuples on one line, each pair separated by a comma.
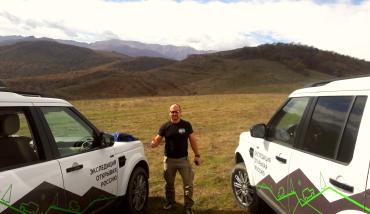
[(310, 197), (47, 198), (8, 195), (31, 208)]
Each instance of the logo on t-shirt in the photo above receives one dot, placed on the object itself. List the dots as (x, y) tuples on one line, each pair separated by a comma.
[(181, 130)]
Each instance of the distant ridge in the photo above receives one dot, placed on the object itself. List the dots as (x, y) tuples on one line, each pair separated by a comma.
[(134, 48), (129, 48), (10, 40)]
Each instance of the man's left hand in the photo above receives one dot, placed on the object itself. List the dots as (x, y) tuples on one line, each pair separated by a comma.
[(197, 161)]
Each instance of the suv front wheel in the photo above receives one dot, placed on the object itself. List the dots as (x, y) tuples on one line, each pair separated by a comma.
[(244, 193), (137, 191)]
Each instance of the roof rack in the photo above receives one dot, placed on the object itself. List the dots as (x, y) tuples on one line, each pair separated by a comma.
[(24, 93), (324, 82), (319, 83)]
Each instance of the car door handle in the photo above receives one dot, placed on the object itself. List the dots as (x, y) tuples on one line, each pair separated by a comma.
[(74, 168), (251, 151), (280, 159), (340, 185)]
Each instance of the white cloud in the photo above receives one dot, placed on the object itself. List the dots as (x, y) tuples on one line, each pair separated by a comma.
[(338, 26)]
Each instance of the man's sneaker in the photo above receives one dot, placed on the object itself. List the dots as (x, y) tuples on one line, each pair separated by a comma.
[(168, 206), (189, 211)]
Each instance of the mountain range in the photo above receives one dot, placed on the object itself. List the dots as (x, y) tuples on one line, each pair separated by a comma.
[(74, 72), (129, 48)]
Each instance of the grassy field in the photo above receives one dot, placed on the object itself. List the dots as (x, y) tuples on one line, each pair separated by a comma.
[(217, 121)]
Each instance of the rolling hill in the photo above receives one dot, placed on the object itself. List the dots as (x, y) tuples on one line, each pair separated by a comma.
[(30, 59), (266, 68), (301, 58)]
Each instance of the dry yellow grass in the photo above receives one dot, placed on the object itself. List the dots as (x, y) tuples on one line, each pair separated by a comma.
[(217, 121)]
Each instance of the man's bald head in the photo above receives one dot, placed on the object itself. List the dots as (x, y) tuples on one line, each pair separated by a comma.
[(175, 113)]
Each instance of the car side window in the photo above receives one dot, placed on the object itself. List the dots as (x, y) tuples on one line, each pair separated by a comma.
[(348, 142), (71, 134), (18, 145), (327, 124), (282, 127)]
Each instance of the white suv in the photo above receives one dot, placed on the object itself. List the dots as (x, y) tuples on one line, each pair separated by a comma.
[(52, 159), (313, 156)]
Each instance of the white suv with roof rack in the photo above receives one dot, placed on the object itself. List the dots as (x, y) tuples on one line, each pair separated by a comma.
[(312, 156), (52, 159)]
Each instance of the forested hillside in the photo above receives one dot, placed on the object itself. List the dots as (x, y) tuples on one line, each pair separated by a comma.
[(73, 72)]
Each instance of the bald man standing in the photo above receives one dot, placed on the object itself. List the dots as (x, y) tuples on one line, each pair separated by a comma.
[(177, 132)]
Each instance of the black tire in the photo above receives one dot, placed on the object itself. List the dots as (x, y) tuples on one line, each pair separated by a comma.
[(245, 194), (137, 191)]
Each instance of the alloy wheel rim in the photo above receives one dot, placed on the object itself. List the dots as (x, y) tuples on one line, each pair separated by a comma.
[(243, 190), (140, 191)]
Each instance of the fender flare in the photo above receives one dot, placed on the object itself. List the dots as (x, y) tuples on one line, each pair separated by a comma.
[(136, 160), (241, 157)]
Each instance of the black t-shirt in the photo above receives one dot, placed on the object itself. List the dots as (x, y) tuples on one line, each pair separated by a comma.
[(176, 136)]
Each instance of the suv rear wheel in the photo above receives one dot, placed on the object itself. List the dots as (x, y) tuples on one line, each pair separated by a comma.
[(137, 191), (244, 193)]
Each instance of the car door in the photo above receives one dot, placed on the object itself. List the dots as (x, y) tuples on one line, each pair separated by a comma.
[(89, 169), (325, 176), (272, 155), (30, 180)]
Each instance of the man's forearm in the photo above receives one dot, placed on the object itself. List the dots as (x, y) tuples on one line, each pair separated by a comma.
[(194, 147)]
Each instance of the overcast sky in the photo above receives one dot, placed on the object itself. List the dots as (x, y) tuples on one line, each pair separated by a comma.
[(342, 26)]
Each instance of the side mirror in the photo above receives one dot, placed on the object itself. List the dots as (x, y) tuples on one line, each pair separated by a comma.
[(258, 130), (106, 140)]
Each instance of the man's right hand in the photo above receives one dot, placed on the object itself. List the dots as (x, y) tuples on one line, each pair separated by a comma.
[(155, 141), (153, 145)]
